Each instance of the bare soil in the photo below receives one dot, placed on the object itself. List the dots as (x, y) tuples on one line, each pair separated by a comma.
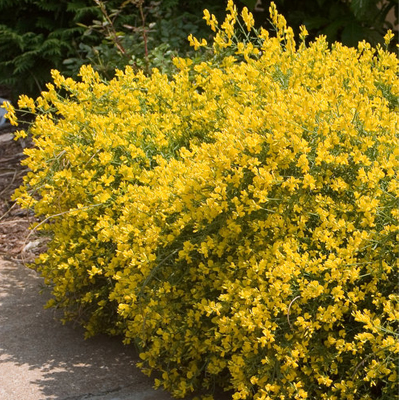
[(17, 242)]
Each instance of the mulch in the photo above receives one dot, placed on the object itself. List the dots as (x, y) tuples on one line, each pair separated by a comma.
[(17, 242)]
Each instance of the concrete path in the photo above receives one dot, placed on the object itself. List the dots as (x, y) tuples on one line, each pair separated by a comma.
[(41, 359)]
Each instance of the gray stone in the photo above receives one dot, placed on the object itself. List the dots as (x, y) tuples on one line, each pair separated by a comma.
[(41, 359), (2, 112)]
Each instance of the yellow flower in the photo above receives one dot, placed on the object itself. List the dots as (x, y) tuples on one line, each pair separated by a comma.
[(388, 37), (303, 32), (26, 102), (10, 114), (247, 18), (195, 43), (211, 20)]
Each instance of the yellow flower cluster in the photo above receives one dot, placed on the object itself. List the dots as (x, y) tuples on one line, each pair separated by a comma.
[(238, 222)]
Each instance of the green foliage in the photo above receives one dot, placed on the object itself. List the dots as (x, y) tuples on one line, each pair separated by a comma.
[(36, 36), (142, 34), (348, 21)]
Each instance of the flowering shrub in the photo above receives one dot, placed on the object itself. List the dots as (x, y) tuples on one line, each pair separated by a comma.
[(239, 223)]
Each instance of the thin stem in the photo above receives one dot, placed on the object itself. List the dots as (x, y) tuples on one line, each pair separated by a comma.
[(288, 311), (146, 50), (111, 29)]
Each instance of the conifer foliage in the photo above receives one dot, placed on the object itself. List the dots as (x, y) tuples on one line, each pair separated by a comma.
[(36, 36)]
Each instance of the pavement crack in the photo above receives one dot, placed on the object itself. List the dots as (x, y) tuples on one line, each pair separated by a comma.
[(91, 395)]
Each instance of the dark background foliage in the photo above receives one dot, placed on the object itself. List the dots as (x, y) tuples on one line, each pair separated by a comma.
[(348, 21), (38, 35)]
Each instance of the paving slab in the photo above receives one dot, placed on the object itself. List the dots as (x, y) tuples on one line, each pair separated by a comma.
[(41, 359), (2, 112)]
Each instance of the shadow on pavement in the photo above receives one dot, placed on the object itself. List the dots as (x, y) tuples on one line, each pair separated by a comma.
[(42, 359)]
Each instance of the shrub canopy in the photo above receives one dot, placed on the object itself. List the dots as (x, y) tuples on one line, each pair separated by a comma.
[(239, 222)]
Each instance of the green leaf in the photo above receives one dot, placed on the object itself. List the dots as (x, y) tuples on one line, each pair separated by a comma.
[(363, 9), (352, 34), (332, 30), (321, 3), (249, 3), (316, 22)]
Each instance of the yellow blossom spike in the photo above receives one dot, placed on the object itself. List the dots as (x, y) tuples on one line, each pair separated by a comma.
[(303, 32), (211, 20), (11, 114), (247, 18), (388, 37)]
